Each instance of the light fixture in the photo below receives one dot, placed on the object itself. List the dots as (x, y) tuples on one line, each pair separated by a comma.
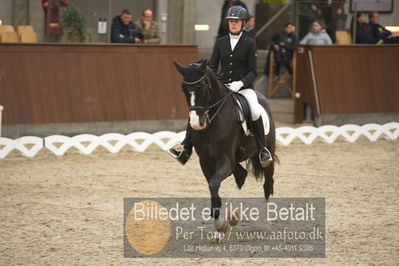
[(392, 28), (201, 27)]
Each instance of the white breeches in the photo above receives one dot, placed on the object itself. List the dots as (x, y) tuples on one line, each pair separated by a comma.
[(256, 108)]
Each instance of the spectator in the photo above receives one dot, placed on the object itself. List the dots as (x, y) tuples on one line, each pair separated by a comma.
[(307, 14), (379, 31), (149, 28), (123, 30), (317, 35), (283, 45), (363, 31), (330, 17), (339, 19), (249, 28), (320, 16), (224, 27)]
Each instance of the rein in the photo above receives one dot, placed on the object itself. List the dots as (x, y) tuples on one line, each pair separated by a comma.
[(209, 107)]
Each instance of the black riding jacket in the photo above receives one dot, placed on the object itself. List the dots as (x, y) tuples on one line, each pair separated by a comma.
[(236, 65)]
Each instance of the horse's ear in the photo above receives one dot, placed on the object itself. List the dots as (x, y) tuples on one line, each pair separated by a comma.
[(182, 69), (202, 67)]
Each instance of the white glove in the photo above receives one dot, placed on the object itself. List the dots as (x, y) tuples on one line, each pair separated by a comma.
[(236, 85)]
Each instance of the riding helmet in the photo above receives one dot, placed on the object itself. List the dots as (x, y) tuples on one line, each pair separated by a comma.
[(237, 12)]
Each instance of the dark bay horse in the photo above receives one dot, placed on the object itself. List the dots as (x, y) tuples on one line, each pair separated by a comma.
[(220, 141)]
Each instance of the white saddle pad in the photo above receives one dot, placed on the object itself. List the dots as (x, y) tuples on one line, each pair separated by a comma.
[(265, 120)]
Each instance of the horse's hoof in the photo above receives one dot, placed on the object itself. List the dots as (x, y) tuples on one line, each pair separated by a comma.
[(233, 219), (218, 238), (221, 225)]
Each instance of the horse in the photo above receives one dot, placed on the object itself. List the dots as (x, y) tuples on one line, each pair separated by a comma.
[(219, 140)]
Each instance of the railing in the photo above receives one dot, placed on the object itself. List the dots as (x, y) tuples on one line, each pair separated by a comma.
[(1, 110), (140, 141), (272, 20)]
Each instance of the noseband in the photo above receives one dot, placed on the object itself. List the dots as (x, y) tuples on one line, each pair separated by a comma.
[(208, 107)]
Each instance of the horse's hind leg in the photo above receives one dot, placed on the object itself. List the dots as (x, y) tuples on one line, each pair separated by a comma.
[(269, 181)]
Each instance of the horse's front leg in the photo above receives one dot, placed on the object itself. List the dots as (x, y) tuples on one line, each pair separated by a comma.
[(224, 169)]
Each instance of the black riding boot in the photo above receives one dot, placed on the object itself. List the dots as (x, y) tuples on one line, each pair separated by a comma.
[(183, 155), (265, 157)]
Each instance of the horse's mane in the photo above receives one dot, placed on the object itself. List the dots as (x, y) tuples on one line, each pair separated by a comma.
[(212, 77)]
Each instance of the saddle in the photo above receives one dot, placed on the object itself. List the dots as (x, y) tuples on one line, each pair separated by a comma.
[(243, 113)]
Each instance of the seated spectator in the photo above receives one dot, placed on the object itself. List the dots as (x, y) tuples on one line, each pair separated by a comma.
[(317, 35), (363, 31), (149, 28), (123, 30), (379, 31), (283, 45), (249, 27)]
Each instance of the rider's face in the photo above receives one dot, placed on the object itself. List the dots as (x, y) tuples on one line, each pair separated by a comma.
[(235, 25)]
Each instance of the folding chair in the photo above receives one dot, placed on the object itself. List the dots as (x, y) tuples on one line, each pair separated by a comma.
[(342, 38), (28, 37), (6, 28), (25, 28), (9, 37), (283, 81)]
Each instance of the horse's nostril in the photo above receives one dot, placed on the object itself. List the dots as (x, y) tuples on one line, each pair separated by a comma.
[(202, 121)]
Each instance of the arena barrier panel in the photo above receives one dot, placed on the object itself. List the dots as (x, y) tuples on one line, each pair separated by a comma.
[(139, 141), (1, 110)]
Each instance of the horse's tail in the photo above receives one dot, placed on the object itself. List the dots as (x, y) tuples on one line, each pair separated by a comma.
[(256, 167), (266, 173)]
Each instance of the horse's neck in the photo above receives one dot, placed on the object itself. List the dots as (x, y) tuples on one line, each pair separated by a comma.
[(218, 90)]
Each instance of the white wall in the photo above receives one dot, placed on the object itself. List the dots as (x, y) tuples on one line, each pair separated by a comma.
[(6, 12), (36, 18), (161, 17)]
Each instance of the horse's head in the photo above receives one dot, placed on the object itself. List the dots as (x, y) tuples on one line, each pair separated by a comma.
[(196, 88)]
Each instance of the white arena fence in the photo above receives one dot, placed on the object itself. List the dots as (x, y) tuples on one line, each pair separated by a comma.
[(139, 141)]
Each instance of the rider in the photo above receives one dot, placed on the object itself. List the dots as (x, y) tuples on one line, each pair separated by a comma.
[(237, 54)]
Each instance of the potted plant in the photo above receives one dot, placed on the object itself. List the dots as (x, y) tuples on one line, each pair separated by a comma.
[(74, 25)]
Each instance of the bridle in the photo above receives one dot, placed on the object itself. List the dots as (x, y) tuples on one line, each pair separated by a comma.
[(207, 108)]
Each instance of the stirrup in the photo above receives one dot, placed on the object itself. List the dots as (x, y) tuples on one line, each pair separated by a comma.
[(267, 158), (181, 156)]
